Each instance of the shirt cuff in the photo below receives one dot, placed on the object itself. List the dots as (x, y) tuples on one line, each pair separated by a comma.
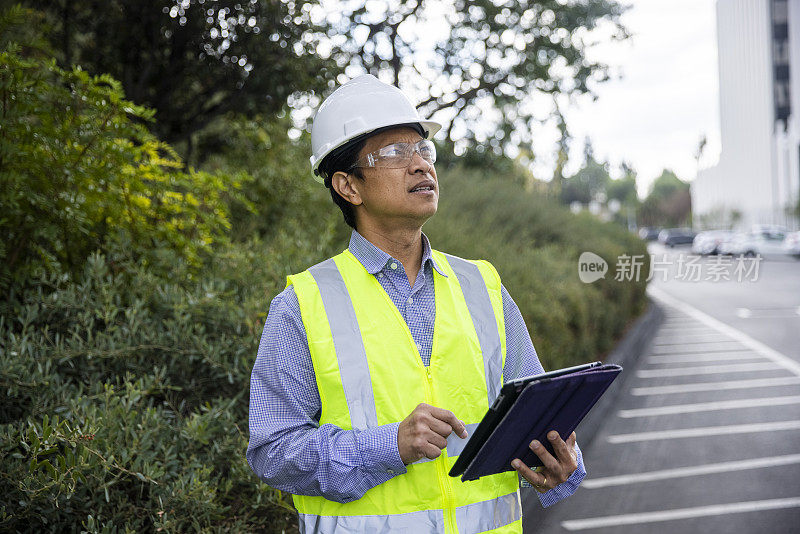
[(379, 452), (565, 489)]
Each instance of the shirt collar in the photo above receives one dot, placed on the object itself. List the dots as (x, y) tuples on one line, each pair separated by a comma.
[(374, 259)]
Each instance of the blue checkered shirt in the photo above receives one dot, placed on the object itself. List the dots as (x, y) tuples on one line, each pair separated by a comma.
[(288, 448)]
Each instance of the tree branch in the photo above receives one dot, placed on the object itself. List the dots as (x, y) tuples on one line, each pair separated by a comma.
[(468, 96)]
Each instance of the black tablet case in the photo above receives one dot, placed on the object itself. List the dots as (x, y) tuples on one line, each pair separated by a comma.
[(558, 404)]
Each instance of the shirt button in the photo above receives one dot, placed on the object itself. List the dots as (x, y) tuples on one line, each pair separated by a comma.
[(390, 471), (393, 265), (380, 275), (410, 300)]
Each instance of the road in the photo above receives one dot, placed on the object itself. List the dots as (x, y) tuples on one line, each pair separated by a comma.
[(706, 434)]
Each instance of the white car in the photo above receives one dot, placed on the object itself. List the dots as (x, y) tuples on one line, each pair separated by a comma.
[(709, 242), (791, 245), (766, 242), (728, 246)]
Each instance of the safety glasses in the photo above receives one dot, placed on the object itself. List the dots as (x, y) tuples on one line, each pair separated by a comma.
[(398, 155)]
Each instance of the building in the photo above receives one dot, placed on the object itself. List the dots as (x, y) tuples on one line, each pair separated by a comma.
[(757, 178)]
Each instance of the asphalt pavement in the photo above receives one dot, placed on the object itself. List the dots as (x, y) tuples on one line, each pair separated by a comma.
[(705, 434)]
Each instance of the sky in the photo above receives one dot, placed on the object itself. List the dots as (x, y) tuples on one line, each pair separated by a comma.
[(666, 98)]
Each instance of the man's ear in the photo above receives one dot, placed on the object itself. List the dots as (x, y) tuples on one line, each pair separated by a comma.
[(347, 186)]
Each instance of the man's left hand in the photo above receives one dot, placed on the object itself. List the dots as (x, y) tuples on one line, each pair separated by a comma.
[(556, 469)]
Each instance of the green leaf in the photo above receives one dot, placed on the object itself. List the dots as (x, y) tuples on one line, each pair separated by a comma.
[(49, 468)]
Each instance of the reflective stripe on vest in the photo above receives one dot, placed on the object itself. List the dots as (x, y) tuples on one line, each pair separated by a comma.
[(472, 519), (348, 343)]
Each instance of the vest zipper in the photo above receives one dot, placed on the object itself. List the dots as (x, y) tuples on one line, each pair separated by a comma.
[(441, 470)]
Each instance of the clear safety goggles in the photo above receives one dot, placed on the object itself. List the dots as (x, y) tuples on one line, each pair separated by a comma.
[(398, 155)]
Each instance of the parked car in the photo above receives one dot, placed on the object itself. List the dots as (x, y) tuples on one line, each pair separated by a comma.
[(791, 244), (762, 240), (676, 236), (709, 242), (649, 233), (728, 246)]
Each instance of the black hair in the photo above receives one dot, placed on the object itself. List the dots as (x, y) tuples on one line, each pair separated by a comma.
[(343, 158)]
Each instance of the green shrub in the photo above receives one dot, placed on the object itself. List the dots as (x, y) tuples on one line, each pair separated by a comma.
[(125, 400), (281, 194)]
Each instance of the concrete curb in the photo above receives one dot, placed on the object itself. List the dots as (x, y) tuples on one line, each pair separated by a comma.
[(625, 354)]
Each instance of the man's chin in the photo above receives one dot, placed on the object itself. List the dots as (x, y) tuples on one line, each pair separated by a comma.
[(427, 214)]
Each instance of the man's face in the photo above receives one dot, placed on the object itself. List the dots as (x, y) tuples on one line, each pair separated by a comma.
[(388, 196)]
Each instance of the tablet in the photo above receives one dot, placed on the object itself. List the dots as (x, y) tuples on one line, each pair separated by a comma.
[(547, 395)]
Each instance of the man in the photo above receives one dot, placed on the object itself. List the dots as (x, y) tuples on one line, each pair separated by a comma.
[(376, 364)]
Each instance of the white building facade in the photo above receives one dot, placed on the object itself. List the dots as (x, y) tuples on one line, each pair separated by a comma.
[(757, 179)]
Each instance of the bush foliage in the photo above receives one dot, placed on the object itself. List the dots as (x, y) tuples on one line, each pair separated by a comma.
[(125, 407)]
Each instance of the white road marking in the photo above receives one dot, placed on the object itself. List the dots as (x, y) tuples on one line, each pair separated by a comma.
[(708, 370), (701, 432), (690, 340), (743, 313), (681, 472), (673, 332), (703, 330), (701, 357), (669, 336), (710, 406), (694, 342), (701, 350), (764, 350), (686, 327), (681, 513), (790, 315), (717, 386)]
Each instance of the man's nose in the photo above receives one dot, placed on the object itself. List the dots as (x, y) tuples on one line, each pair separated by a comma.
[(419, 164)]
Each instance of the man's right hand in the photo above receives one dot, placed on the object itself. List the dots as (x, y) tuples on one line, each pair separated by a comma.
[(423, 434)]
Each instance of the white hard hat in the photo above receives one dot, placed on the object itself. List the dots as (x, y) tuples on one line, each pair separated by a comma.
[(360, 106)]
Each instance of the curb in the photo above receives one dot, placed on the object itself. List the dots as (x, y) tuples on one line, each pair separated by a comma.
[(625, 354)]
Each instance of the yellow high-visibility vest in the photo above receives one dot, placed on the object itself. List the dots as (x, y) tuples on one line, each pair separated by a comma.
[(369, 373)]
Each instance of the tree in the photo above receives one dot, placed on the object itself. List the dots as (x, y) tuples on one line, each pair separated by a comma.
[(495, 59), (193, 60), (562, 155), (591, 180), (701, 147), (666, 185), (624, 188), (669, 202)]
